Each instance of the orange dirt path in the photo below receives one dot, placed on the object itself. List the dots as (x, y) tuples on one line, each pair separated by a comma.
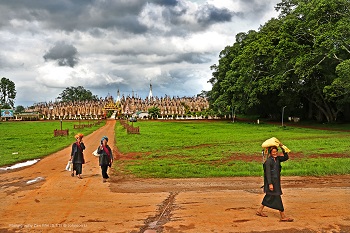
[(61, 203)]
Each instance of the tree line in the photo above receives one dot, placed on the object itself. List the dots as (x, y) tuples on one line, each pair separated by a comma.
[(300, 60), (70, 94)]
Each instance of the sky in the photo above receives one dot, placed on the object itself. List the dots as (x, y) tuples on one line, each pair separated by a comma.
[(126, 45)]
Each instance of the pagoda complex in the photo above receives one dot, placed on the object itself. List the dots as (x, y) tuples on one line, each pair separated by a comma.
[(169, 107)]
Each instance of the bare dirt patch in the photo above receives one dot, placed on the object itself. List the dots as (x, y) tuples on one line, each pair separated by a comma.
[(61, 203)]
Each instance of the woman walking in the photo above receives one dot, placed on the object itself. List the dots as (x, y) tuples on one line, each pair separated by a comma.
[(105, 158), (77, 155), (272, 183)]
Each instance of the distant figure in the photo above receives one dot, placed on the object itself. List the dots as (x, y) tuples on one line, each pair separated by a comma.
[(272, 183), (105, 158), (77, 155)]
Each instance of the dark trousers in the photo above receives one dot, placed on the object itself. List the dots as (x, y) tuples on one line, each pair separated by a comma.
[(104, 169)]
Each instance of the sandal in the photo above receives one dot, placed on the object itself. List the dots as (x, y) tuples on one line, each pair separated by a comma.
[(286, 220), (261, 214)]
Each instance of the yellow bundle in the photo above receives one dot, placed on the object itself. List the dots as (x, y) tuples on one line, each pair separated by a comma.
[(273, 142), (286, 149)]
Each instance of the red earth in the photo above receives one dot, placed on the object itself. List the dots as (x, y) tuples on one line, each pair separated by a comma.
[(61, 203)]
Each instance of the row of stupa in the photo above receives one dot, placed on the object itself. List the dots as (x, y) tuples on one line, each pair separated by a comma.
[(127, 106)]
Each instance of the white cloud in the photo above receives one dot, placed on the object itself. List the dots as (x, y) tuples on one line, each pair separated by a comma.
[(51, 75), (120, 44)]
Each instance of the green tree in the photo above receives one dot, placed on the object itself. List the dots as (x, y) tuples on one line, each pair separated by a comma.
[(7, 92), (319, 29), (299, 60), (153, 112), (5, 106), (71, 94), (245, 80), (19, 109), (338, 91)]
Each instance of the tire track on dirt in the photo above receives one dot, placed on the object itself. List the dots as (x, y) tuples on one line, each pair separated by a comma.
[(75, 201), (155, 223)]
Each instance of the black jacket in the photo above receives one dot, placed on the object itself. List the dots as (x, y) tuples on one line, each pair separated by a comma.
[(104, 159), (77, 153)]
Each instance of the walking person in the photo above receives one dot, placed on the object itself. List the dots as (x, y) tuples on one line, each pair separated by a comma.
[(77, 155), (272, 183), (105, 158)]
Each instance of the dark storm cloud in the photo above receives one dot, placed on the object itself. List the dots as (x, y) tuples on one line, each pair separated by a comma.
[(195, 58), (85, 15), (180, 74), (254, 9), (190, 58), (209, 14), (64, 54), (166, 2), (161, 59), (204, 17), (42, 10), (81, 15)]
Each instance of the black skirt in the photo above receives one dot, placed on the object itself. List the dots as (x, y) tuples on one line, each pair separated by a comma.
[(273, 202), (78, 168)]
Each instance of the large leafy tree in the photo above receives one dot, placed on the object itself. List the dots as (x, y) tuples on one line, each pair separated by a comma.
[(153, 112), (244, 78), (320, 28), (300, 60), (7, 92), (71, 94), (20, 109)]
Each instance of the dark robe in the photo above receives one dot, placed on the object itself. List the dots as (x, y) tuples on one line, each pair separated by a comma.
[(105, 159), (272, 175), (77, 153), (78, 157)]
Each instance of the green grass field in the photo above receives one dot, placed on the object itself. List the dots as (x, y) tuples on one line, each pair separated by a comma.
[(218, 149), (21, 141), (190, 148)]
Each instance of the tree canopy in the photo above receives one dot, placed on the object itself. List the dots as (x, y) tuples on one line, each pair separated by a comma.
[(153, 112), (20, 109), (300, 60), (71, 94), (7, 92)]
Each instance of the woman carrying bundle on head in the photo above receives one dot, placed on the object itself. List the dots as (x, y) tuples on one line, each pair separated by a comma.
[(272, 182), (105, 158), (77, 155)]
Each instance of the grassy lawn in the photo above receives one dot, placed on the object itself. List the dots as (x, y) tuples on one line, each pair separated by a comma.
[(21, 141), (190, 148), (218, 149)]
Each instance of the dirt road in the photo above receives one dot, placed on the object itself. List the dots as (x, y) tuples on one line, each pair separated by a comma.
[(61, 203)]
